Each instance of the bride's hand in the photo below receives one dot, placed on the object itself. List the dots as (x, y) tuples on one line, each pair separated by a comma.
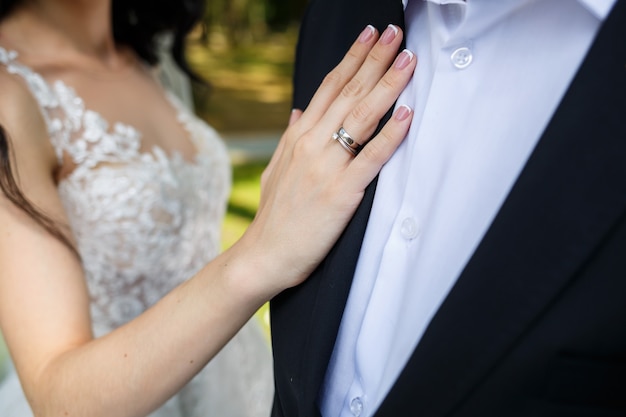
[(314, 183)]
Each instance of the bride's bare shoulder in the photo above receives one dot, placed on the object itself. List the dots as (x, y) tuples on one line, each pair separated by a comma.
[(15, 97), (23, 123)]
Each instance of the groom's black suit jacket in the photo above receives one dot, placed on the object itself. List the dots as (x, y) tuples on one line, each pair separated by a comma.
[(536, 323)]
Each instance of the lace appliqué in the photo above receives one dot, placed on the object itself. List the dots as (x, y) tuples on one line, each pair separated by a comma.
[(127, 208)]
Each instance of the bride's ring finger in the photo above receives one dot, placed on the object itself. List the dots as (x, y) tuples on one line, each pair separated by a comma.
[(347, 142)]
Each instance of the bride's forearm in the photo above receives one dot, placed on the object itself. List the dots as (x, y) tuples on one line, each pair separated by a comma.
[(134, 369)]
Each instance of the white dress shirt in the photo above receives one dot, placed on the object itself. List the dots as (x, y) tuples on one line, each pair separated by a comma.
[(489, 76)]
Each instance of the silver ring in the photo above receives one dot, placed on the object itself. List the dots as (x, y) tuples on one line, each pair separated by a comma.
[(346, 141)]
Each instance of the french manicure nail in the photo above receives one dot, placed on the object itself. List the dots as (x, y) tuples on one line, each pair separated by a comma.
[(367, 34), (389, 34), (403, 112), (403, 59)]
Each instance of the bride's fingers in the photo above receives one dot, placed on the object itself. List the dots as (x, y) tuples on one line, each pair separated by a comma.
[(348, 83), (368, 76), (366, 165), (365, 71), (364, 117), (355, 76)]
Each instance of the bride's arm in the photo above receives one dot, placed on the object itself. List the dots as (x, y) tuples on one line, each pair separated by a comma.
[(310, 190)]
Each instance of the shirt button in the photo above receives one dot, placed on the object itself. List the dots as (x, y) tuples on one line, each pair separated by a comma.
[(461, 57), (356, 406), (409, 228)]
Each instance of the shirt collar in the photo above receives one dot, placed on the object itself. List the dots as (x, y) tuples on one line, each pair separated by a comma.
[(599, 8)]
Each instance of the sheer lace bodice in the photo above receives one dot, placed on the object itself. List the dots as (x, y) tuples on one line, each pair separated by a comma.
[(143, 220)]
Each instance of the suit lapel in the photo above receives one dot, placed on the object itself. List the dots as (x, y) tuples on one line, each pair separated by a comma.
[(570, 193), (309, 316)]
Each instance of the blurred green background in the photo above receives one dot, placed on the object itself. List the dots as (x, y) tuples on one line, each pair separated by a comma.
[(245, 50)]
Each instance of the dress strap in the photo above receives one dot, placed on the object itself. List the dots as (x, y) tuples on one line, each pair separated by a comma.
[(43, 93), (75, 131)]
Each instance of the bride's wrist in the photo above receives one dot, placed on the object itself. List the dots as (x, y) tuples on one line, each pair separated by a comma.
[(250, 272)]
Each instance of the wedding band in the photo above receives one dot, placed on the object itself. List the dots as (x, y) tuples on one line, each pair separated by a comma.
[(346, 141), (344, 144)]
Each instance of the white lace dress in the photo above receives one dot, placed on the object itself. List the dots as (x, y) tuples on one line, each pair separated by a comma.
[(144, 222)]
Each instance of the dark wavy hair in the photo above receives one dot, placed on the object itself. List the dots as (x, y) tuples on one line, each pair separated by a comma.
[(136, 24)]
